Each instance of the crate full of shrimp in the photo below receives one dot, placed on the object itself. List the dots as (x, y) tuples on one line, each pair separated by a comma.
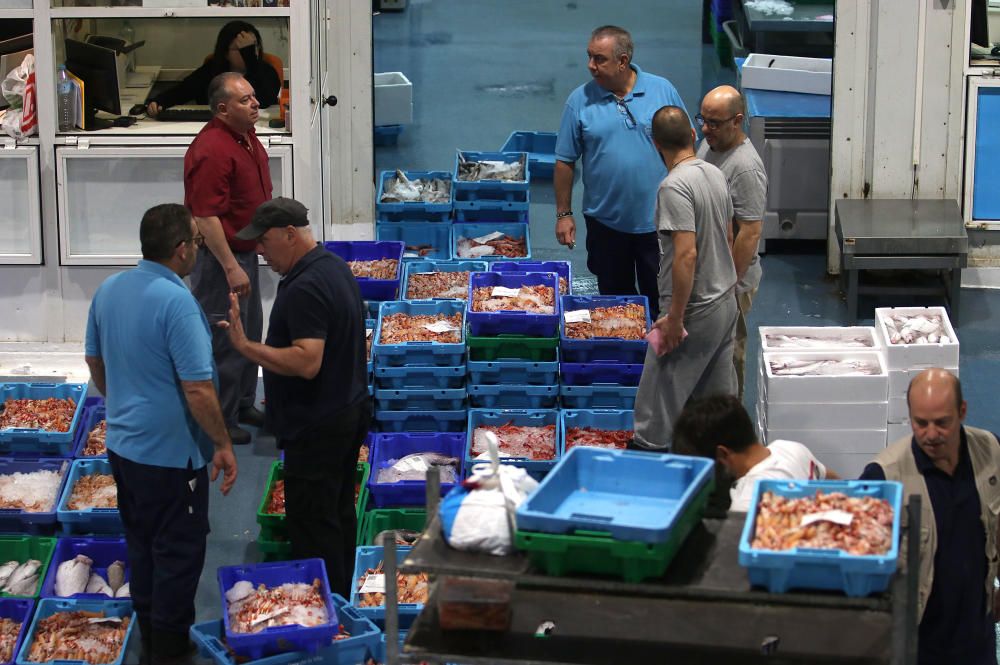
[(564, 269), (528, 438), (91, 435), (271, 608), (400, 461), (824, 377), (89, 501), (40, 419), (787, 339), (438, 280), (825, 535), (15, 618), (368, 594), (376, 265), (78, 632), (414, 195), (513, 303), (491, 240), (420, 333), (596, 328), (917, 337)]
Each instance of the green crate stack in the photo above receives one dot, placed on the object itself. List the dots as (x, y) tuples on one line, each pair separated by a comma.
[(513, 347), (384, 519), (722, 46), (22, 548)]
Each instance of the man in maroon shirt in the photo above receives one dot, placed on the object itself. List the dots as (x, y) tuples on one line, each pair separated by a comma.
[(226, 176)]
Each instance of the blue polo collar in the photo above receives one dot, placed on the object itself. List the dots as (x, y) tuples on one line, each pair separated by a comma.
[(159, 269), (638, 89)]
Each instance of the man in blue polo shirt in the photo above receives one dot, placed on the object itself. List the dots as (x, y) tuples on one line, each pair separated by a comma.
[(606, 123), (150, 353)]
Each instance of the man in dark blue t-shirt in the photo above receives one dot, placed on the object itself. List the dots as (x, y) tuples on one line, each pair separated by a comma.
[(315, 383)]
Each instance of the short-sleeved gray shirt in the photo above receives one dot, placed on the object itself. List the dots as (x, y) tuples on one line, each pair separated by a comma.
[(695, 197), (747, 180)]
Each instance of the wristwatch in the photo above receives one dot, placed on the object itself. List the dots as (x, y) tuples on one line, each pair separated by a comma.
[(564, 213)]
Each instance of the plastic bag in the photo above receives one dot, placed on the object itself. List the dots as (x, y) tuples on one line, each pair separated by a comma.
[(18, 88), (479, 514)]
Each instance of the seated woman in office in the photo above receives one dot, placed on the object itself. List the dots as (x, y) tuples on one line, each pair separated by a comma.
[(238, 48)]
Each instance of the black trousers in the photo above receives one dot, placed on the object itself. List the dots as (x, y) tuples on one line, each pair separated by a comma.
[(320, 467), (165, 514), (620, 260)]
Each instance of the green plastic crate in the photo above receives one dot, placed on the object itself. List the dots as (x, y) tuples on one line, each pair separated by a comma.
[(22, 548), (383, 519), (275, 523), (513, 347), (723, 48), (598, 553)]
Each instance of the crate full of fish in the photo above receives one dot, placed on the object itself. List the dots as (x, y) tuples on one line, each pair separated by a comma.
[(29, 493), (598, 396), (400, 463), (24, 562), (595, 428), (917, 337), (89, 502), (491, 240), (355, 637), (513, 372), (270, 608), (428, 333), (630, 495), (78, 631), (438, 280), (491, 172), (513, 396), (405, 523), (421, 240), (376, 265), (368, 594), (40, 419), (600, 371), (414, 195), (421, 421), (541, 149), (818, 338), (92, 434), (420, 399), (83, 567), (15, 618), (513, 347), (824, 376), (833, 535), (399, 378), (604, 328), (513, 303), (564, 269), (527, 438)]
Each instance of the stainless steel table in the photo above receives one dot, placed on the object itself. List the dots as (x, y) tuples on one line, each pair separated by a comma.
[(901, 234)]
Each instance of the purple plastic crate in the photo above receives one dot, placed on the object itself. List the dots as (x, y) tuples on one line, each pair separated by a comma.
[(19, 610), (600, 371), (513, 322), (92, 415), (601, 348), (102, 551), (370, 250), (389, 447), (562, 268)]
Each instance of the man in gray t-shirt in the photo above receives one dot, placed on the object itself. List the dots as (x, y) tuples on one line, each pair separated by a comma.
[(726, 146), (696, 282)]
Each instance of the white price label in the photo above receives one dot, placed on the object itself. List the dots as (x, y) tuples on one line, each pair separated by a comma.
[(440, 327), (841, 517), (374, 583), (504, 292), (482, 240), (105, 620), (410, 255), (578, 316), (368, 332)]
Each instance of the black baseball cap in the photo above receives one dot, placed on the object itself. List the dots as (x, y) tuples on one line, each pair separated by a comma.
[(275, 213)]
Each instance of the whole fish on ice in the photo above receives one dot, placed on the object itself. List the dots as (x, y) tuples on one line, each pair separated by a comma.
[(6, 570), (98, 584), (24, 580), (73, 575), (116, 575), (827, 367), (123, 591), (916, 329)]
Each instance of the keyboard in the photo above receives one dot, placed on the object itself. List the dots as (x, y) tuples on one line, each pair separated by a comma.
[(190, 113)]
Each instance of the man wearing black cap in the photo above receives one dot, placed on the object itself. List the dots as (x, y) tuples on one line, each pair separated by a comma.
[(315, 383)]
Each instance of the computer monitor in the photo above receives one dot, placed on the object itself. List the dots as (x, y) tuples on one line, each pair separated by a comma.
[(979, 30), (97, 68)]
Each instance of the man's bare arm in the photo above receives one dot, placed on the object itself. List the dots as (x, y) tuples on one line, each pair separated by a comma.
[(682, 272), (562, 182), (215, 240), (302, 359), (745, 245), (204, 404)]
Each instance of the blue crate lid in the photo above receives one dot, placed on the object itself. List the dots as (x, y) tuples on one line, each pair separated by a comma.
[(34, 442), (94, 520), (393, 446), (102, 551), (481, 229), (513, 321), (414, 234), (19, 610), (92, 415), (369, 557), (603, 419), (420, 353), (48, 606), (412, 206), (369, 250)]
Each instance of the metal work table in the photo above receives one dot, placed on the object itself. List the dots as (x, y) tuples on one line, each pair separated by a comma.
[(901, 234), (763, 33)]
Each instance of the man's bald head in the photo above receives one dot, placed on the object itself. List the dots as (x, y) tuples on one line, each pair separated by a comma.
[(672, 129), (933, 382), (724, 99)]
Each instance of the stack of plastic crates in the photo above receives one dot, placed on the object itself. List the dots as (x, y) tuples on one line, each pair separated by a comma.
[(424, 228), (374, 291), (492, 200), (599, 372)]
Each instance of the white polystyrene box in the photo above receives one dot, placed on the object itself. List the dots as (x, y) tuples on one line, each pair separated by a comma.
[(846, 465), (787, 73), (918, 356), (831, 334), (831, 415), (823, 389), (833, 440), (898, 410), (899, 379), (896, 431), (393, 99)]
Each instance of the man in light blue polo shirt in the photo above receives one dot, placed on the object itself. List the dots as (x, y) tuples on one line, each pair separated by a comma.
[(150, 353), (606, 123)]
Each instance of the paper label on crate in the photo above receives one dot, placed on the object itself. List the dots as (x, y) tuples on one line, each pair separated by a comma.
[(504, 292), (374, 583), (441, 327), (577, 316), (841, 517), (410, 255), (482, 240), (105, 620), (368, 332)]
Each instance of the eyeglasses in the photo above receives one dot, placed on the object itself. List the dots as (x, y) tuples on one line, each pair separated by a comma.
[(198, 240), (712, 124), (630, 122)]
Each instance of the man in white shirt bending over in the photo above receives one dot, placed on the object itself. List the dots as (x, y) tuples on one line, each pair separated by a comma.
[(719, 428)]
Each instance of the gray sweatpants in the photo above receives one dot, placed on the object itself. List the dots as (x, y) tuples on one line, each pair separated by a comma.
[(702, 365), (237, 375)]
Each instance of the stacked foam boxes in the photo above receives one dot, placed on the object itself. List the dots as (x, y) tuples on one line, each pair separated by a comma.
[(905, 360), (840, 418)]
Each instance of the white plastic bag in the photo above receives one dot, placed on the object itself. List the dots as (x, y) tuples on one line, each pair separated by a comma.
[(18, 88)]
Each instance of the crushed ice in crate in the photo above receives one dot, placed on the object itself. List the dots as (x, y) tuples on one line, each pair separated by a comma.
[(34, 492)]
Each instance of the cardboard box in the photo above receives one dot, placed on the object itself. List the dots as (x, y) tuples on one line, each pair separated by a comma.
[(832, 334), (917, 356), (824, 389), (787, 73)]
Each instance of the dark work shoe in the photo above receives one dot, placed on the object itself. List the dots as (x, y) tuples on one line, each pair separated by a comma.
[(239, 436), (252, 416), (172, 648)]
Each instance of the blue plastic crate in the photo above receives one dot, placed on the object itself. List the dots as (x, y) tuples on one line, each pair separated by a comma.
[(370, 325), (521, 417), (397, 378), (420, 399), (102, 551), (415, 210), (601, 348), (369, 250), (513, 396), (19, 610), (807, 568), (602, 419), (371, 309), (421, 421), (33, 442), (508, 372), (631, 495), (598, 396), (486, 186), (515, 230), (513, 322), (486, 216), (92, 416), (365, 636), (277, 639), (438, 354), (421, 240), (600, 371), (48, 606), (22, 521), (89, 520), (369, 557), (390, 447), (417, 267), (385, 135), (504, 201), (562, 268), (541, 149)]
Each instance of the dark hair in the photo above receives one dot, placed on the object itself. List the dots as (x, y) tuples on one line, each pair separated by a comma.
[(956, 386), (672, 128), (220, 61), (162, 228), (218, 89), (623, 40), (711, 421)]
